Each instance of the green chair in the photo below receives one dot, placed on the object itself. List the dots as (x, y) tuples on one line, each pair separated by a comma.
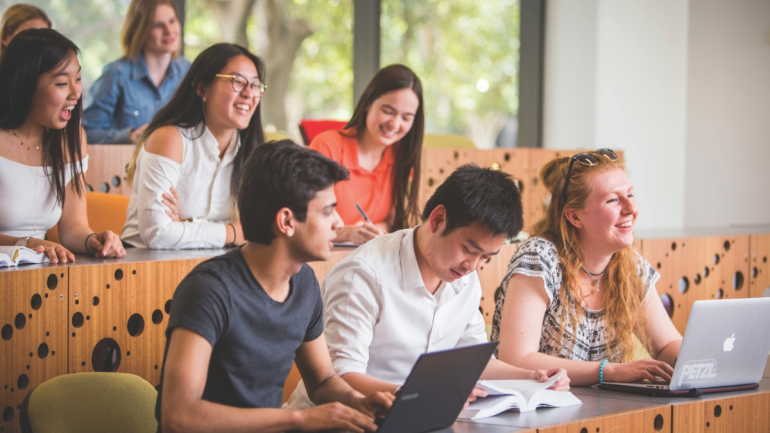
[(90, 402), (447, 141)]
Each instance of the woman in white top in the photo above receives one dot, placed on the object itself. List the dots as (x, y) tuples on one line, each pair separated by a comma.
[(576, 293), (187, 166), (43, 152)]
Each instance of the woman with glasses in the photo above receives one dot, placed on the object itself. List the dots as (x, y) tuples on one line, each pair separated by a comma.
[(133, 88), (576, 293), (187, 166), (381, 147)]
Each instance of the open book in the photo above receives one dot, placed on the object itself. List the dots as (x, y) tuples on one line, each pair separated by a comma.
[(520, 395), (14, 256)]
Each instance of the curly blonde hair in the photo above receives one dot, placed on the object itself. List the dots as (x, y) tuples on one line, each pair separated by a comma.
[(624, 316)]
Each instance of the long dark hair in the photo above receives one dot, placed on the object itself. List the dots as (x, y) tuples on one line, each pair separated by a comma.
[(185, 109), (31, 54), (409, 151)]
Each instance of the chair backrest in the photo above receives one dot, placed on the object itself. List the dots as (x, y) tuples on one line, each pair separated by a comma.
[(312, 127), (105, 212), (276, 135), (90, 402), (447, 141), (291, 382)]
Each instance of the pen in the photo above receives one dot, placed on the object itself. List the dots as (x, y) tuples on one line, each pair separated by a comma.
[(363, 214)]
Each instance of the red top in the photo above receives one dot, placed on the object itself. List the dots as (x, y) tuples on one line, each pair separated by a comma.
[(371, 189)]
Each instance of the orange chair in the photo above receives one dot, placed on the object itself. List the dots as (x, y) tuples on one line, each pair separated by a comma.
[(105, 212), (309, 128), (291, 382)]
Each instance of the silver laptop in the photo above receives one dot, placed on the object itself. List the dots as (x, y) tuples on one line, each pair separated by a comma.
[(725, 348)]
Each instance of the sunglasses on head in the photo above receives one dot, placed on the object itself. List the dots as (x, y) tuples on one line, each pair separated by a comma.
[(587, 159)]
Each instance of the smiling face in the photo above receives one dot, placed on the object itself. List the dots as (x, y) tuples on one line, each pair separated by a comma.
[(463, 250), (312, 240), (226, 108), (390, 117), (164, 36), (606, 222), (56, 95)]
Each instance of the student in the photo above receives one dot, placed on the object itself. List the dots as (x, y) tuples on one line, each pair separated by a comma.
[(240, 319), (43, 151), (18, 18), (133, 88), (381, 147), (580, 272), (417, 290), (186, 169)]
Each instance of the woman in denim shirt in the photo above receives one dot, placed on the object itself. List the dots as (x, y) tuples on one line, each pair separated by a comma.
[(132, 89)]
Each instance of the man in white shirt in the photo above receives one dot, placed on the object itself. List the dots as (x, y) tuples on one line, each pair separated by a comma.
[(417, 290)]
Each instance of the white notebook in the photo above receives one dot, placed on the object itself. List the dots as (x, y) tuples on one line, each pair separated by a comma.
[(14, 256), (518, 395)]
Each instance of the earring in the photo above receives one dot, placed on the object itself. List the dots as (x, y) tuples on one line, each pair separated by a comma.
[(204, 100)]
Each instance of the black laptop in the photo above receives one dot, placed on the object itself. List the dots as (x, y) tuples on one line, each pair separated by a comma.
[(436, 389)]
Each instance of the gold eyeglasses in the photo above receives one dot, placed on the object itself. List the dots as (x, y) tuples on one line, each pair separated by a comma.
[(239, 83)]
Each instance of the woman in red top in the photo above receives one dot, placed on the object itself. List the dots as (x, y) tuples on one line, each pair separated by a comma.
[(381, 145)]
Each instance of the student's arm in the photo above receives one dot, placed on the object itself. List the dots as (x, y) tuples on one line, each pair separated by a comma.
[(183, 409), (74, 231), (161, 170), (525, 305), (324, 386), (98, 116), (665, 338)]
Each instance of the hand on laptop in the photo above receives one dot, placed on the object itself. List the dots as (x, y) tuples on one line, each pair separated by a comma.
[(650, 369), (375, 405), (335, 416), (561, 384)]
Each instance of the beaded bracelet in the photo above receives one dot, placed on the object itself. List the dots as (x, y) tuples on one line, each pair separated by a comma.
[(601, 370)]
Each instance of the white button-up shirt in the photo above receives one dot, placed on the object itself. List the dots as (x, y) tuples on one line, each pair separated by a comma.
[(202, 181), (379, 317)]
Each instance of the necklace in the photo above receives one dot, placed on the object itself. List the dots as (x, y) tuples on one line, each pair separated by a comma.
[(34, 199), (597, 277)]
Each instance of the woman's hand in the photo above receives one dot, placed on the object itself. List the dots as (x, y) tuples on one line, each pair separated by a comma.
[(650, 369), (172, 203), (56, 252), (106, 244), (561, 384), (360, 233)]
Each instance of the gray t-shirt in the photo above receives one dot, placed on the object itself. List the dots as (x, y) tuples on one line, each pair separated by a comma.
[(253, 336)]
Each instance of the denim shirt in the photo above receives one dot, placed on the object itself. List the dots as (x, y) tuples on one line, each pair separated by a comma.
[(125, 98)]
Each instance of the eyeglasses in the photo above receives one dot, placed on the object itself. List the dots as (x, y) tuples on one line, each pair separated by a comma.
[(587, 159), (239, 83)]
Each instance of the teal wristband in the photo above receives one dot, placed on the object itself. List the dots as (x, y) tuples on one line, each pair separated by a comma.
[(601, 370)]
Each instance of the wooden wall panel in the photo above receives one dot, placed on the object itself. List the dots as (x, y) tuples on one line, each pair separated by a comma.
[(33, 349), (654, 419), (323, 268), (699, 268), (107, 168), (745, 413), (491, 275), (111, 301), (759, 272), (539, 197)]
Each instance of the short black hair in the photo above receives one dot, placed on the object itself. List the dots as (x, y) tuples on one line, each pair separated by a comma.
[(281, 174), (474, 194)]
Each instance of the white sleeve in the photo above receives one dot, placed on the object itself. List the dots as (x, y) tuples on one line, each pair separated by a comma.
[(352, 304), (156, 229), (475, 331)]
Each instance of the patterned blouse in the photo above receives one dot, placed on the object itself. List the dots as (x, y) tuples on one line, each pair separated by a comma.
[(537, 257)]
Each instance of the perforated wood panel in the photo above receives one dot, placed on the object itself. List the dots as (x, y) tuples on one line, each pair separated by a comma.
[(119, 313), (107, 165), (759, 272), (698, 268), (745, 413), (539, 197), (438, 164), (654, 419), (33, 349)]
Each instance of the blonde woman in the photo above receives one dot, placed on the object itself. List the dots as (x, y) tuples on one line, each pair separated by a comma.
[(133, 88), (20, 17), (576, 293)]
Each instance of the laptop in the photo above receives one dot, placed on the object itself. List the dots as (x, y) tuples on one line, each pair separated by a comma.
[(436, 389), (725, 348)]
